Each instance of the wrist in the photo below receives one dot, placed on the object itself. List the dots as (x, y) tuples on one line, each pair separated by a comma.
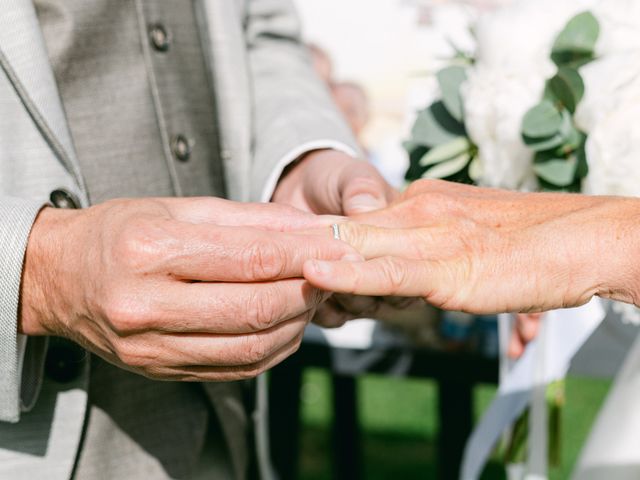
[(618, 253), (41, 275), (290, 189), (308, 182)]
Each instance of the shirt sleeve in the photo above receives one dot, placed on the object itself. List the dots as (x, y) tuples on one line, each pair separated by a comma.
[(16, 219), (293, 110)]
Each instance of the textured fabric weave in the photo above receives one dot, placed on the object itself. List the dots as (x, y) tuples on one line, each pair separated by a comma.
[(16, 218)]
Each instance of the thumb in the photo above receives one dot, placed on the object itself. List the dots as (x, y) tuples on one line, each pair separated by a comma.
[(363, 189)]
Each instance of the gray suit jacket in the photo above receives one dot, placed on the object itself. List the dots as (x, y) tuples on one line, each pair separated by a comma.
[(271, 109)]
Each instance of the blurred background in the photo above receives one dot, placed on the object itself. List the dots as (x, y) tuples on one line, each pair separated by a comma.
[(396, 398)]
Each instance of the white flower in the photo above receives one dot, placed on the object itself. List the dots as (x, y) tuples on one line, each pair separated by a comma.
[(512, 65), (495, 103), (519, 37), (610, 82), (619, 25), (609, 114)]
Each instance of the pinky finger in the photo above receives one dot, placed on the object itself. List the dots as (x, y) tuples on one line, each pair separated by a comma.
[(207, 373)]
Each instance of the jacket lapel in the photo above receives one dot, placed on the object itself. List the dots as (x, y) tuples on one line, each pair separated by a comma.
[(25, 61)]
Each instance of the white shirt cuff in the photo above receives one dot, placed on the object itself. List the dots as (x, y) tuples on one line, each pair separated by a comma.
[(295, 154)]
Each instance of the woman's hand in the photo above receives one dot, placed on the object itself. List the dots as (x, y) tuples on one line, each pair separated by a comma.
[(333, 183), (488, 251)]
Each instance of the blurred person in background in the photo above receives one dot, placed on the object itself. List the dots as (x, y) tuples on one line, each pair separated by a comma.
[(353, 102), (322, 63), (350, 97)]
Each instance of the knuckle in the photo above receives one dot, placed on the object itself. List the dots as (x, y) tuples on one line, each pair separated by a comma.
[(136, 356), (261, 311), (138, 244), (354, 234), (126, 314), (394, 275), (121, 319), (264, 260), (417, 188), (457, 285), (256, 350), (317, 298)]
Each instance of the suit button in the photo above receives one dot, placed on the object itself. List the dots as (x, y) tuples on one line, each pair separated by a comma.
[(181, 148), (63, 199), (65, 360), (160, 37)]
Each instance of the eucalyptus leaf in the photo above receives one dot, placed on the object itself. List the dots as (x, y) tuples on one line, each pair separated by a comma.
[(450, 80), (542, 121), (573, 140), (445, 152), (544, 144), (566, 88), (435, 126), (575, 45), (448, 168), (559, 172), (475, 169), (561, 138), (582, 170)]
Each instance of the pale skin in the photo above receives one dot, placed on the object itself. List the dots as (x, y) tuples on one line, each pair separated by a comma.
[(489, 251), (196, 289)]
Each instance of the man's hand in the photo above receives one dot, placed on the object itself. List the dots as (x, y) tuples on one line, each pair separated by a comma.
[(176, 289), (327, 182), (489, 251), (331, 182)]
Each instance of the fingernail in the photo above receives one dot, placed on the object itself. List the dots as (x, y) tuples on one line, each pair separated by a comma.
[(352, 257), (364, 202), (321, 268)]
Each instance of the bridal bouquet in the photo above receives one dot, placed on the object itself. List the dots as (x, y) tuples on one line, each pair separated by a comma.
[(549, 100)]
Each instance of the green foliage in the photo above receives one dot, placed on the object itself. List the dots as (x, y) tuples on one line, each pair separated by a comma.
[(440, 147), (557, 171), (563, 134), (445, 152), (435, 126), (449, 168), (542, 121), (575, 46), (450, 80), (399, 425), (565, 89), (549, 128)]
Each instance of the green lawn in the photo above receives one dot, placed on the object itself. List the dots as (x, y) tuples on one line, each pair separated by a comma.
[(399, 424)]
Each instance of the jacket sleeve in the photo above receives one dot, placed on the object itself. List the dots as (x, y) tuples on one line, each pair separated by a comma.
[(292, 109), (16, 219)]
